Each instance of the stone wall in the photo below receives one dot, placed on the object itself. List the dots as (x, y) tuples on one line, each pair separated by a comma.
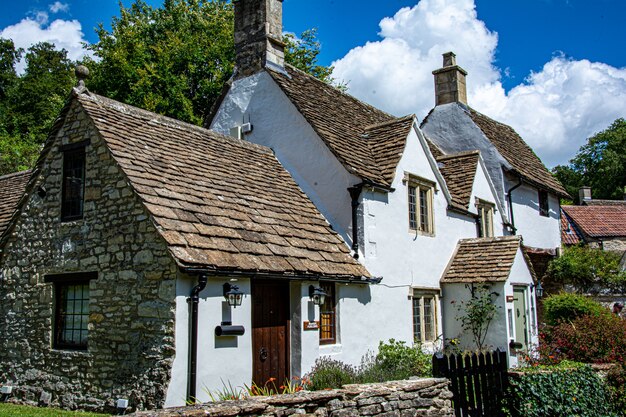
[(422, 397), (131, 344)]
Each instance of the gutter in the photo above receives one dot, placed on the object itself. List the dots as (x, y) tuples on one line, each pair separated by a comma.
[(194, 299), (509, 197)]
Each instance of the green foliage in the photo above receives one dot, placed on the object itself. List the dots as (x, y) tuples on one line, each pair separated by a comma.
[(477, 313), (567, 307), (328, 373), (394, 361), (585, 268), (600, 164), (12, 410), (29, 103), (572, 392), (616, 381), (302, 53)]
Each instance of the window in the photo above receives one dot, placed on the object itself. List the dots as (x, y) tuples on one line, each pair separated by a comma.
[(73, 183), (544, 206), (485, 218), (420, 204), (328, 316), (424, 316), (71, 313)]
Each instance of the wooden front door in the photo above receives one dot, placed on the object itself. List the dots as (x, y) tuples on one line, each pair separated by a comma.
[(270, 332), (521, 320)]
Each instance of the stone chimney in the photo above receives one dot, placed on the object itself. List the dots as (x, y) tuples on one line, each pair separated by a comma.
[(450, 82), (258, 36), (584, 194)]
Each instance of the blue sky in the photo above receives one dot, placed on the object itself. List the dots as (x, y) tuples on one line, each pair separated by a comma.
[(553, 69)]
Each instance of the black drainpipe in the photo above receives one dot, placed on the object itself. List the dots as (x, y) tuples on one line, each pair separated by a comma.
[(355, 193), (193, 337), (508, 195)]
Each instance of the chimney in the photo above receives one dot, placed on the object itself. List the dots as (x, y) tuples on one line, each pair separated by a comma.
[(450, 82), (258, 36), (584, 194)]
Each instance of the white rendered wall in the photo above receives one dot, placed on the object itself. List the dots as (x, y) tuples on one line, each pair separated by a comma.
[(538, 231), (227, 359), (278, 125)]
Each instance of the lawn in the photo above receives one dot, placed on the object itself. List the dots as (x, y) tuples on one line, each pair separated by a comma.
[(12, 410)]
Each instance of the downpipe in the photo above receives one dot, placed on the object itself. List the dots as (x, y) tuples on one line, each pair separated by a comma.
[(194, 300)]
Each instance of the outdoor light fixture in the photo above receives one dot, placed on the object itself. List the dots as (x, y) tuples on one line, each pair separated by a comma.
[(539, 289), (121, 405), (232, 295), (317, 295)]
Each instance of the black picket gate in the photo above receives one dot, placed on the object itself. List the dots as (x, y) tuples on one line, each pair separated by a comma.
[(478, 381)]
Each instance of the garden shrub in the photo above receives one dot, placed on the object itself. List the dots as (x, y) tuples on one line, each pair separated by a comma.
[(328, 373), (394, 361), (566, 306), (616, 381), (573, 392), (590, 339)]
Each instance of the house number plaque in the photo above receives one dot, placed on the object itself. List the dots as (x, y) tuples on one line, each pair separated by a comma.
[(311, 325)]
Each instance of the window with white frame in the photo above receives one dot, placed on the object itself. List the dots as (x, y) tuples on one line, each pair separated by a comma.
[(425, 316), (485, 218), (420, 197)]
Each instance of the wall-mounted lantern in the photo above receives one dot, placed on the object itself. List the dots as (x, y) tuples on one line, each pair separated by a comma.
[(232, 295), (539, 289), (317, 295)]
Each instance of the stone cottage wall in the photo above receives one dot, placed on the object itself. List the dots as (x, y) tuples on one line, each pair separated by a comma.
[(423, 397), (131, 332)]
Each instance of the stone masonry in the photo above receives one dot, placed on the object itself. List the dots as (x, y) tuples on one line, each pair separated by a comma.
[(413, 398), (131, 321)]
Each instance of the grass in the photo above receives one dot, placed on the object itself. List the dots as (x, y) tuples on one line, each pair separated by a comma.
[(12, 410)]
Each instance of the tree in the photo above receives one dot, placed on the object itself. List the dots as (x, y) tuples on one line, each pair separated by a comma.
[(477, 313), (175, 59), (29, 103), (600, 164)]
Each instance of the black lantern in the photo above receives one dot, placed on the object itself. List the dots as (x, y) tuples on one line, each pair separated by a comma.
[(317, 295), (232, 295), (539, 289)]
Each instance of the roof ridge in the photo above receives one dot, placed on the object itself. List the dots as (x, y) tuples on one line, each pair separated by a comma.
[(169, 121), (15, 174), (491, 239), (458, 155), (388, 122), (331, 86)]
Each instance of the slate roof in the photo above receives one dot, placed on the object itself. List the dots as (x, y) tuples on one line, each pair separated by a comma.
[(517, 153), (459, 171), (366, 140), (219, 202), (598, 221), (483, 260), (12, 188), (570, 235)]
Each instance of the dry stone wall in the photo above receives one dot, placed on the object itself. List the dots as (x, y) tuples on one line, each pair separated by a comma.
[(422, 397), (131, 321)]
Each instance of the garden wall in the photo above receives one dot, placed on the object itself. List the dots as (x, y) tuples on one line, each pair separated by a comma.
[(423, 397)]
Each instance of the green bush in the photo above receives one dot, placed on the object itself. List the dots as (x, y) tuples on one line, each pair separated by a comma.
[(574, 392), (616, 380), (567, 307), (328, 373), (394, 361)]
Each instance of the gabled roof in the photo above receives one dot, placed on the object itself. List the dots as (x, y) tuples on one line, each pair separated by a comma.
[(459, 171), (570, 235), (521, 157), (484, 260), (12, 188), (598, 221), (455, 127), (599, 202), (366, 140)]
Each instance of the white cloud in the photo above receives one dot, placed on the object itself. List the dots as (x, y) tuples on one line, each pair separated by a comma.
[(65, 34), (555, 109), (57, 7)]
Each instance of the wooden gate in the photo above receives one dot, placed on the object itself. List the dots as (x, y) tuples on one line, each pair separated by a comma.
[(478, 381)]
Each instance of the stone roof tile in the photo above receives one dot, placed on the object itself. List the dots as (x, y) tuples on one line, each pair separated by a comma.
[(459, 171), (219, 202), (12, 188)]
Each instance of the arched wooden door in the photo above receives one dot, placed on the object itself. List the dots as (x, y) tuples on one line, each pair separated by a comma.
[(270, 332)]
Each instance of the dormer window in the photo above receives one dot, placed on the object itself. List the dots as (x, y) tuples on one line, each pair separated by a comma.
[(420, 196), (73, 187), (544, 206), (485, 218)]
